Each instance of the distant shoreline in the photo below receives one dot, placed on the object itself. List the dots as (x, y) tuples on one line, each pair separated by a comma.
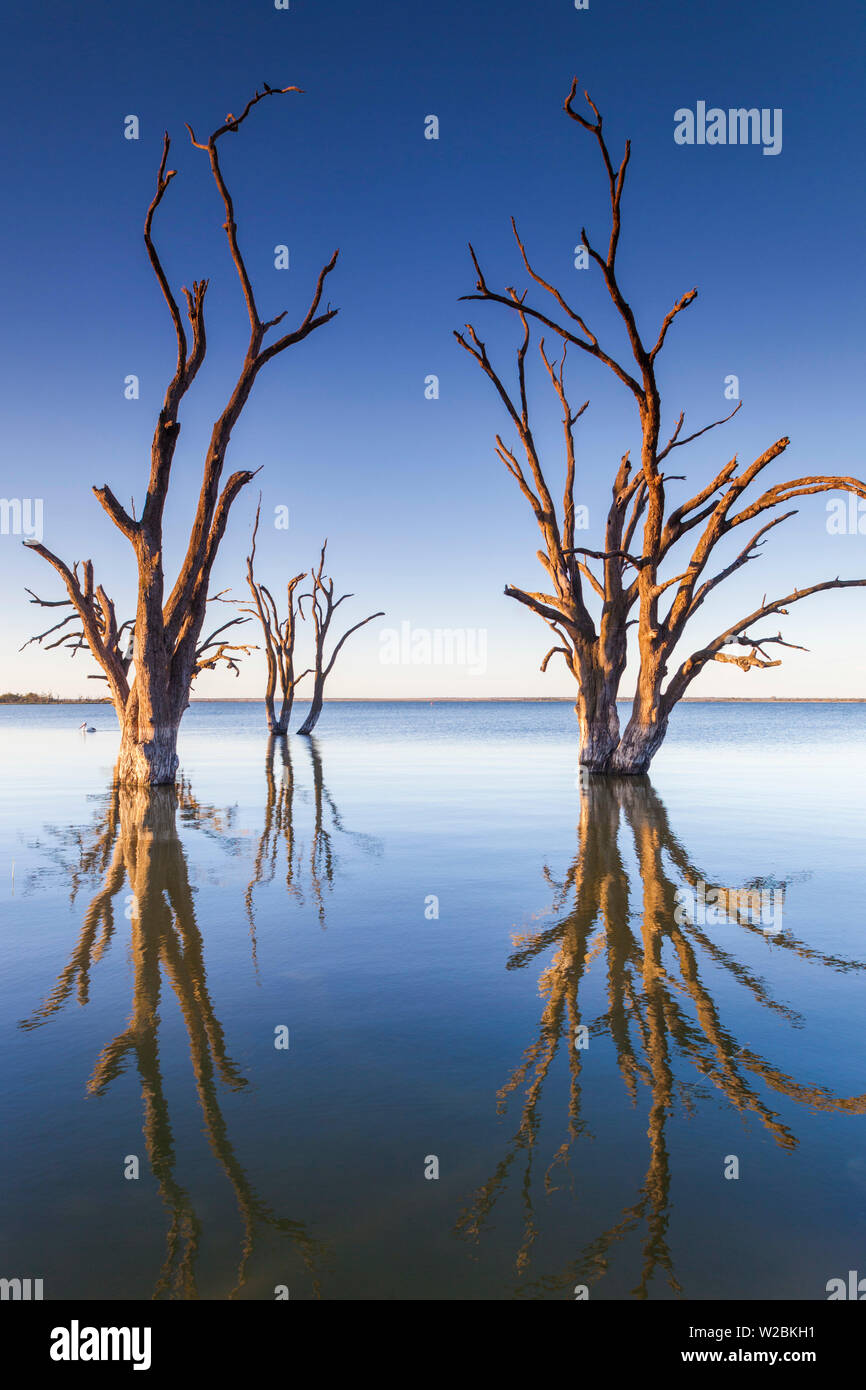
[(549, 700), (469, 700), (32, 698)]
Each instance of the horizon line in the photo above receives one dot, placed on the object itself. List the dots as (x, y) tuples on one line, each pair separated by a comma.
[(466, 700)]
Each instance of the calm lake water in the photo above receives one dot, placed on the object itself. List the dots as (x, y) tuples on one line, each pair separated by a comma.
[(630, 990)]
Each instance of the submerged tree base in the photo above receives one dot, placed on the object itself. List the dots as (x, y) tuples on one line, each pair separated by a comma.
[(599, 736), (149, 764), (607, 751), (638, 746)]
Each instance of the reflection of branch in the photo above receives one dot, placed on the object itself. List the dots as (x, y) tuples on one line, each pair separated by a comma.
[(278, 827), (279, 832), (322, 858), (88, 950), (93, 846), (166, 939), (658, 1006)]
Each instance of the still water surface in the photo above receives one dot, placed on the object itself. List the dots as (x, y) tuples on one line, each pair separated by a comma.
[(586, 1036)]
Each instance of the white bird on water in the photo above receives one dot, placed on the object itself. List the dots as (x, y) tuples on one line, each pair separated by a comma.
[(86, 728)]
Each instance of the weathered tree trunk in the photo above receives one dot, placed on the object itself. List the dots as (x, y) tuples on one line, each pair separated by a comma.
[(316, 704), (643, 736), (151, 762), (598, 720), (648, 723), (149, 724), (278, 724)]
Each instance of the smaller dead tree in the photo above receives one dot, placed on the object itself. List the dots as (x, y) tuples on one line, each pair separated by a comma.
[(322, 607), (279, 641)]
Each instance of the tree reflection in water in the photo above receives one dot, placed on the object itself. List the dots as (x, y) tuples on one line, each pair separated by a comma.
[(136, 843), (279, 842), (659, 1013)]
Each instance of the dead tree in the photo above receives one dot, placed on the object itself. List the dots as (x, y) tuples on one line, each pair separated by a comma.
[(168, 649), (626, 586), (322, 607), (279, 641)]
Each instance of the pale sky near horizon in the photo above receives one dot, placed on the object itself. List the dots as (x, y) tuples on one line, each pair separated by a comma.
[(422, 519)]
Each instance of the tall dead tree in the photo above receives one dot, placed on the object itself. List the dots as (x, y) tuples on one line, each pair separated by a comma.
[(279, 641), (168, 649), (629, 577), (322, 607)]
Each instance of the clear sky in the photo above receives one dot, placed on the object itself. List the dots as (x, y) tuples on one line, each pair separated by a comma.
[(421, 517)]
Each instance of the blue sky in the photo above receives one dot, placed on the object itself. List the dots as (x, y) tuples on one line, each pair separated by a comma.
[(421, 517)]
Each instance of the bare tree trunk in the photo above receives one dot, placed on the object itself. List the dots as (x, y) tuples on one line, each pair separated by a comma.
[(598, 721), (316, 704), (641, 740), (648, 722), (149, 762), (149, 724), (278, 724)]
